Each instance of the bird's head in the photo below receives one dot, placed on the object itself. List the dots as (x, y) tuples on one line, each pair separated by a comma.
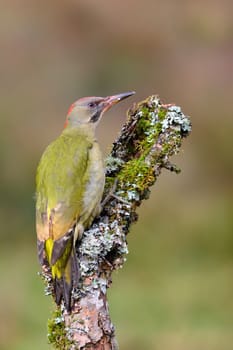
[(89, 110)]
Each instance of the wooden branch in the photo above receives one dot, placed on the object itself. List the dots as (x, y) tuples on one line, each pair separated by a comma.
[(151, 135)]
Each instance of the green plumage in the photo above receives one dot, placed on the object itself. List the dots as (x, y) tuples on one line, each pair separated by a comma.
[(62, 173)]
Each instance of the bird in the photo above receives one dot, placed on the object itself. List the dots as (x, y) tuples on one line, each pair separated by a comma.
[(70, 181)]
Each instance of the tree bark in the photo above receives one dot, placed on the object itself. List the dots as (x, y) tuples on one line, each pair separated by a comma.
[(151, 135)]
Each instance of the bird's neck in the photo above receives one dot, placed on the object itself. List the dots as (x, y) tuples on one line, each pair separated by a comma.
[(86, 130)]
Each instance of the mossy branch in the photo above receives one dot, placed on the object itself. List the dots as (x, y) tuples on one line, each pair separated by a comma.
[(151, 135)]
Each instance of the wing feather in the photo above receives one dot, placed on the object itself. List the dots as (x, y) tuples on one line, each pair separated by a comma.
[(60, 180)]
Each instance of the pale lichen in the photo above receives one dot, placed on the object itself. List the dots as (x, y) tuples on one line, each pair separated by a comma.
[(175, 118)]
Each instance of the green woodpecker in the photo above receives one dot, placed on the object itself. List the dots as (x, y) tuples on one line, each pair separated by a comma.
[(69, 187)]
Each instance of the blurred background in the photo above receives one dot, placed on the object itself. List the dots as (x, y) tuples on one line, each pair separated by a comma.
[(176, 289)]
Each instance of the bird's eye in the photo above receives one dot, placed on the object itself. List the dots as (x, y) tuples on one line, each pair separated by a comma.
[(91, 104)]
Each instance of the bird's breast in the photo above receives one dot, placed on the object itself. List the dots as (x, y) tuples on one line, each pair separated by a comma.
[(95, 183)]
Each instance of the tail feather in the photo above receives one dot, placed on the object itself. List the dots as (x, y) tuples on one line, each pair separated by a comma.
[(63, 286), (75, 272), (58, 287), (67, 289)]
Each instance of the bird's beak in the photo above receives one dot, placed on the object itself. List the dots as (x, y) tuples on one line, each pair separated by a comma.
[(109, 101)]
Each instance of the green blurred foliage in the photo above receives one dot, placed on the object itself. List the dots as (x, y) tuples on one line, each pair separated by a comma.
[(175, 291)]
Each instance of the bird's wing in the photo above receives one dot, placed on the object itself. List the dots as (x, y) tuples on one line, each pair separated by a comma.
[(60, 182)]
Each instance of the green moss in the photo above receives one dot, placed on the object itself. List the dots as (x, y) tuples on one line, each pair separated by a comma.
[(143, 124), (149, 127), (137, 175), (109, 182), (162, 112), (57, 334)]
